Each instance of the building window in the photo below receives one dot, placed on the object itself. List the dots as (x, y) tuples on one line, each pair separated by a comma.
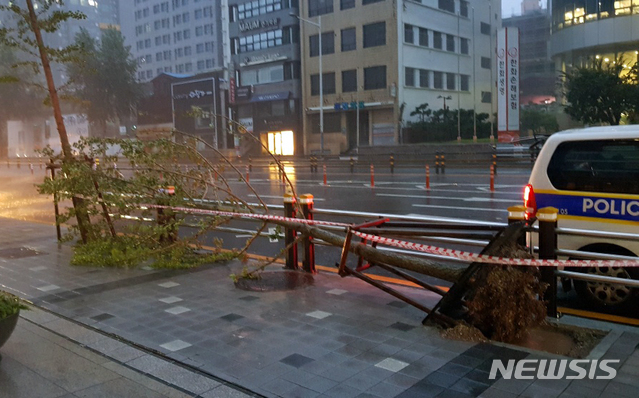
[(464, 85), (464, 45), (252, 9), (485, 62), (450, 81), (349, 81), (463, 8), (375, 34), (409, 79), (484, 28), (450, 43), (346, 4), (260, 41), (328, 81), (447, 5), (319, 7), (328, 44), (349, 39), (365, 2), (438, 80), (437, 40), (409, 34), (424, 78), (486, 97), (374, 77), (423, 37)]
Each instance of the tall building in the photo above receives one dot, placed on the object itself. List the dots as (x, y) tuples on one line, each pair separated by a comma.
[(583, 30), (383, 58), (537, 82), (173, 36), (265, 64)]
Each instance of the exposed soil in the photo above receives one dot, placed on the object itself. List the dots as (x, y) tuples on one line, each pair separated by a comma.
[(565, 340)]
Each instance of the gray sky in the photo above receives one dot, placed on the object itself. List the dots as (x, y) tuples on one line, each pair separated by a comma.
[(508, 6)]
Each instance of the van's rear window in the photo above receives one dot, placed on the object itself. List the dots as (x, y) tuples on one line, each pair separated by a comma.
[(610, 166)]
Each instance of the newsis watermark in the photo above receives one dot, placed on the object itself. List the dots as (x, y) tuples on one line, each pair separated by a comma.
[(554, 369)]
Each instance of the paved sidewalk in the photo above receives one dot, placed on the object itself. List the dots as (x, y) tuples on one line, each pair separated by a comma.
[(37, 362), (337, 338)]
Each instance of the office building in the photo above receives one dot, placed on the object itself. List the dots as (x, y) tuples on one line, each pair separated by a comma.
[(265, 73), (382, 58), (173, 36)]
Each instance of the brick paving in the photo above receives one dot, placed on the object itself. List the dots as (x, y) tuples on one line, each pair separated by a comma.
[(195, 332)]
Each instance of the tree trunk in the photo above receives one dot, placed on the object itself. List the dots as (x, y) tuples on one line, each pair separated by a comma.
[(81, 212), (448, 273)]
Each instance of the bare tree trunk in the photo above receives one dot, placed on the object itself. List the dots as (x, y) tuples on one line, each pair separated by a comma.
[(448, 273), (81, 213)]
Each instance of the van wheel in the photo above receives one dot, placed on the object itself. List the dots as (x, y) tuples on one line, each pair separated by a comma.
[(605, 295)]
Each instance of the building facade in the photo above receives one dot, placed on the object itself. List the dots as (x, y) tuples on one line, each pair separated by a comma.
[(173, 36), (537, 70), (607, 30), (265, 73), (383, 58)]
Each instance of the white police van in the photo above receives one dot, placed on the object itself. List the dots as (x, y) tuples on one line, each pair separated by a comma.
[(592, 176)]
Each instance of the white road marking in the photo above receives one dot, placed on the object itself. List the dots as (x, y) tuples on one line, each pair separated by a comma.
[(444, 198), (460, 208), (280, 197)]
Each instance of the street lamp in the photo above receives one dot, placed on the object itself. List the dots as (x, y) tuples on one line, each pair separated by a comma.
[(318, 24), (448, 97)]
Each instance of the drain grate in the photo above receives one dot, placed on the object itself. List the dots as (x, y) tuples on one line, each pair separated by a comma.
[(19, 252)]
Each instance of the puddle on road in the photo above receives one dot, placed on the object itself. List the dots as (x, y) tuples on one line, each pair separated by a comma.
[(562, 340)]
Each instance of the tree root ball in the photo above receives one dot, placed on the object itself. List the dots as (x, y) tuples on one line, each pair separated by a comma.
[(506, 302)]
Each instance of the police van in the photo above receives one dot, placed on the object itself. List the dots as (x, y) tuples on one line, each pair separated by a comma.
[(592, 176)]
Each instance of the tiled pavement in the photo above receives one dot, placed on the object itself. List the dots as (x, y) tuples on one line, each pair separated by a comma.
[(336, 338)]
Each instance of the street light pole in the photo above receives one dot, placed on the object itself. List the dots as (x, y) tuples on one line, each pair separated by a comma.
[(458, 79), (318, 24), (474, 80)]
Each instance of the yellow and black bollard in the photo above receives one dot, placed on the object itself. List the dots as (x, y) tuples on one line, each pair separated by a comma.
[(495, 160), (309, 247), (352, 162), (289, 233), (442, 159), (437, 162), (250, 165), (547, 251), (392, 164)]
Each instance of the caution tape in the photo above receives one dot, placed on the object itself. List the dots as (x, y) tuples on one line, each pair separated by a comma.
[(480, 258), (264, 217)]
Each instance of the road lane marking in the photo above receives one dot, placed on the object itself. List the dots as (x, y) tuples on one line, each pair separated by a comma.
[(392, 195), (280, 197), (460, 208)]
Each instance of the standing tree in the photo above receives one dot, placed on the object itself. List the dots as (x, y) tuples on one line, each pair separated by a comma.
[(598, 93), (27, 37), (103, 78)]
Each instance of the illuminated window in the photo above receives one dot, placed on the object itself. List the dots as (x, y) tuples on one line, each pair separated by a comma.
[(281, 143)]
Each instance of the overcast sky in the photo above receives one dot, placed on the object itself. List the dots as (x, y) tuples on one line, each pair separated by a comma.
[(508, 6)]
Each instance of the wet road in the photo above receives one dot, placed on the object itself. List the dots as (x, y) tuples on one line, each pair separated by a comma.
[(461, 193)]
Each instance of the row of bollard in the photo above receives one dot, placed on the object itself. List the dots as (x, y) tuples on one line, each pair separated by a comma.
[(290, 235)]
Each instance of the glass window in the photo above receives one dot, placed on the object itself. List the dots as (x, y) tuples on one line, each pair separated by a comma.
[(464, 45), (485, 62), (450, 81), (450, 43), (447, 5), (437, 40), (375, 77), (424, 78), (346, 4), (610, 166), (319, 7), (465, 83), (438, 80), (409, 34), (409, 79), (349, 81), (484, 28), (423, 37), (463, 8), (375, 34), (328, 44), (328, 81), (349, 39)]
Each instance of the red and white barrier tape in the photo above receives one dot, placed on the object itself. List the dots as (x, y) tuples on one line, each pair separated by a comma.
[(247, 215), (478, 258)]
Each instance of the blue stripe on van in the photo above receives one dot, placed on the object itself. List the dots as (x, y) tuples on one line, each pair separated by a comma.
[(591, 206)]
